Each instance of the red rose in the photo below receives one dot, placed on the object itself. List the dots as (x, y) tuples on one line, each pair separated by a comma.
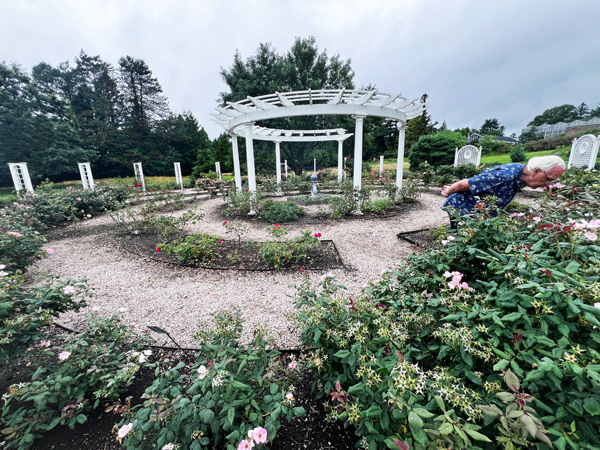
[(158, 249)]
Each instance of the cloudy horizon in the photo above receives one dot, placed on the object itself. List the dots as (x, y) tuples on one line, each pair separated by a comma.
[(509, 60)]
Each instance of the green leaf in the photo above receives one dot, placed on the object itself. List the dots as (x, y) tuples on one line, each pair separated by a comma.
[(573, 267), (477, 436), (445, 428), (451, 318), (474, 378), (444, 349), (466, 356), (422, 412), (415, 421), (231, 415), (501, 365), (511, 317), (355, 389), (273, 388), (299, 411), (342, 354), (592, 406)]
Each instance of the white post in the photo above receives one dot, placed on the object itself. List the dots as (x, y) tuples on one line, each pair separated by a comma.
[(86, 175), (285, 163), (400, 163), (139, 175), (381, 165), (178, 177), (278, 166), (357, 173), (218, 169), (571, 153), (315, 169), (236, 163), (340, 160), (20, 176), (456, 157), (250, 163), (479, 155)]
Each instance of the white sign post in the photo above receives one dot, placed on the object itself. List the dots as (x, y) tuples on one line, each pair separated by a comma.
[(381, 165), (20, 176), (285, 162), (139, 175), (218, 169), (178, 177), (86, 175), (315, 161)]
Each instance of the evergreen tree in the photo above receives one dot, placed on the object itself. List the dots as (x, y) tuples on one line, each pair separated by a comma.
[(419, 126), (492, 127), (223, 152), (595, 112), (564, 113), (531, 134), (583, 111)]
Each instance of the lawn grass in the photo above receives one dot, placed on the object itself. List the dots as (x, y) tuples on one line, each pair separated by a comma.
[(505, 158)]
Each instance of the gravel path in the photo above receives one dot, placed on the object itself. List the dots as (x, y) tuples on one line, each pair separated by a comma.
[(178, 299)]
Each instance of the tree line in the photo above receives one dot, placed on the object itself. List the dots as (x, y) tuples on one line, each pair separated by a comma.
[(54, 117)]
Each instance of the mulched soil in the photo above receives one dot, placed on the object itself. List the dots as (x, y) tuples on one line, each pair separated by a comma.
[(418, 238), (310, 432)]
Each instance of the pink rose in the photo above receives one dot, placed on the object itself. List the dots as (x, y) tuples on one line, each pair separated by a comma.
[(124, 430), (591, 236)]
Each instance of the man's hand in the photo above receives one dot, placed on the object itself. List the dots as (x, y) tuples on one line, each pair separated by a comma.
[(445, 191), (459, 186)]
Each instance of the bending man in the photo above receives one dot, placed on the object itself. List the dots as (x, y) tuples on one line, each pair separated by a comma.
[(502, 182)]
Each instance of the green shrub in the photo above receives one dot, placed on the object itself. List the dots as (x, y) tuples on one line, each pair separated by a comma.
[(90, 368), (437, 149), (281, 252), (489, 146), (517, 153), (507, 301), (198, 248), (377, 206), (231, 388), (281, 212)]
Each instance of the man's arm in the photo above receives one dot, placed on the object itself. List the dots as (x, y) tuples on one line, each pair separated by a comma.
[(459, 186)]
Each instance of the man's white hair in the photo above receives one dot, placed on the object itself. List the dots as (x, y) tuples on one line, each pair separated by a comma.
[(545, 163)]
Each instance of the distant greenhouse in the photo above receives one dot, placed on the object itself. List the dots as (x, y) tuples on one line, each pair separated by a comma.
[(549, 131)]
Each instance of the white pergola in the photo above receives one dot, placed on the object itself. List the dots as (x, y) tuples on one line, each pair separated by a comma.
[(239, 118)]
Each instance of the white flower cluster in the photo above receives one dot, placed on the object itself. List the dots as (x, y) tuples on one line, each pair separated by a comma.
[(455, 336)]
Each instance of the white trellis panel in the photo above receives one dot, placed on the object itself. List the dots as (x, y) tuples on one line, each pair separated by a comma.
[(178, 177), (469, 154), (20, 176), (86, 175), (139, 175), (218, 169), (584, 151)]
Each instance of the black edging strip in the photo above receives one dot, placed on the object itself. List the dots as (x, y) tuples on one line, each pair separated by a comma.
[(231, 268), (403, 237), (163, 347)]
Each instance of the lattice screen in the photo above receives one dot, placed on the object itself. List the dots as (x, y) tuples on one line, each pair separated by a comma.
[(469, 154), (86, 175), (584, 151), (20, 176)]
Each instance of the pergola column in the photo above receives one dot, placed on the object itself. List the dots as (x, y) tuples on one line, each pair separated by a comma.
[(400, 163), (250, 164), (278, 168), (236, 163), (358, 152), (340, 160)]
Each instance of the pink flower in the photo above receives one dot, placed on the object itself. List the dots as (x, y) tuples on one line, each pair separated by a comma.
[(2, 267), (293, 364), (14, 233), (259, 435), (64, 355), (124, 430), (318, 235), (202, 372), (593, 224), (49, 251), (220, 240), (556, 185), (516, 215), (464, 285), (224, 222), (276, 225), (78, 198), (591, 236), (44, 344), (158, 249), (69, 290), (246, 444)]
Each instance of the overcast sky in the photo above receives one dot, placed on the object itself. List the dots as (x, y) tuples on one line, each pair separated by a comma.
[(476, 59)]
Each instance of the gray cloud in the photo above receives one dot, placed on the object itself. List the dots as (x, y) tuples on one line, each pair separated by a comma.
[(476, 59)]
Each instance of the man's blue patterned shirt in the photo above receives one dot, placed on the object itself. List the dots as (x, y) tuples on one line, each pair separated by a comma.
[(500, 181)]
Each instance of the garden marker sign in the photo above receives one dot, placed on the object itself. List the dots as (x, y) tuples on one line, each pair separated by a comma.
[(86, 176), (139, 175), (584, 151), (239, 118), (469, 154), (20, 176), (218, 169), (178, 177)]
